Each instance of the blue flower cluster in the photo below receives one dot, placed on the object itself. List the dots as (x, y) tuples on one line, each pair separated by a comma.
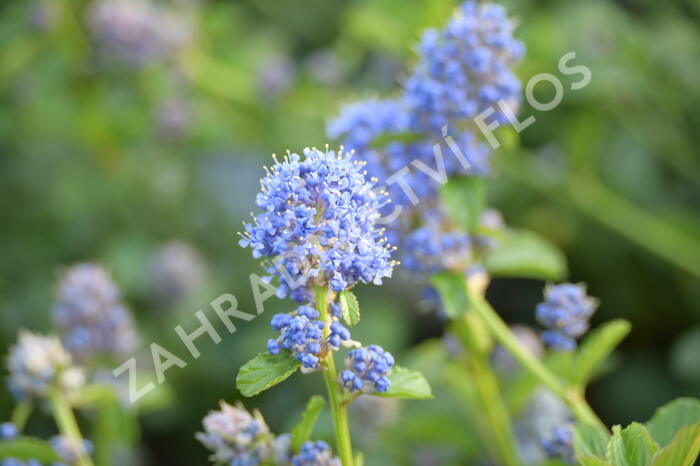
[(236, 437), (318, 225), (135, 32), (565, 312), (9, 431), (38, 364), (316, 453), (91, 316), (560, 444), (302, 334), (434, 247), (465, 68), (367, 369)]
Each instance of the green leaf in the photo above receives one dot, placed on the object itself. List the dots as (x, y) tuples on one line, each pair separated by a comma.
[(264, 371), (464, 199), (596, 348), (683, 449), (632, 446), (350, 307), (672, 417), (302, 431), (406, 383), (385, 139), (453, 293), (592, 461), (26, 448), (526, 254), (590, 441)]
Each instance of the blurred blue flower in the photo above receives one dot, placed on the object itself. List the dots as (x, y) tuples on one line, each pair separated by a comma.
[(565, 312), (70, 451), (316, 453), (367, 369), (38, 364), (465, 68), (318, 225), (90, 315), (560, 444)]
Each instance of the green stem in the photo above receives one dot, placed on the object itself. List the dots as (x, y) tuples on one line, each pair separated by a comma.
[(573, 398), (339, 409), (67, 424), (21, 414), (489, 393)]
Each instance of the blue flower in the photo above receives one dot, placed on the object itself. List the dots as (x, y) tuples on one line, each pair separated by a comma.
[(319, 225), (302, 334), (316, 453), (565, 312), (237, 437), (70, 451), (560, 444), (465, 68), (37, 364), (91, 316), (367, 369)]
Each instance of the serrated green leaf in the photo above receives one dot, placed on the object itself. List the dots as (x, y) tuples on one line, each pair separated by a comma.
[(526, 254), (27, 448), (264, 371), (683, 449), (453, 293), (350, 307), (464, 199), (590, 441), (406, 383), (671, 417), (302, 431), (596, 348), (632, 446)]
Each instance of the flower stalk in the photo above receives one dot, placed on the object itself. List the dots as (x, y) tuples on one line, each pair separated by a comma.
[(339, 408), (67, 424)]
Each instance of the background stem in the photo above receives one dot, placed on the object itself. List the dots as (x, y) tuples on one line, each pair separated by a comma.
[(339, 410), (67, 424)]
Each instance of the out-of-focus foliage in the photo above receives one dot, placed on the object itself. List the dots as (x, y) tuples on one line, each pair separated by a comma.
[(108, 163)]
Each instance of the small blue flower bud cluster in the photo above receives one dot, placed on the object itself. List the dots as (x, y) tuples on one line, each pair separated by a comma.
[(560, 444), (565, 312), (318, 225), (236, 437), (70, 451), (91, 316), (316, 453), (37, 364), (135, 33), (302, 334), (465, 68), (367, 369), (9, 431)]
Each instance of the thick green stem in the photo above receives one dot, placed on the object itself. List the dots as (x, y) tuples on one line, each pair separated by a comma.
[(21, 414), (339, 409), (67, 424), (573, 398), (489, 394)]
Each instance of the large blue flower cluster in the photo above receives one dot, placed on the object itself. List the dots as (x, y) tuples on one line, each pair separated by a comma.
[(319, 225), (316, 453), (367, 369), (565, 312), (465, 68), (302, 334), (91, 316)]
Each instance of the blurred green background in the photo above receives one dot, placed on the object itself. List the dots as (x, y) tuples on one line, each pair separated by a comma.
[(107, 163)]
